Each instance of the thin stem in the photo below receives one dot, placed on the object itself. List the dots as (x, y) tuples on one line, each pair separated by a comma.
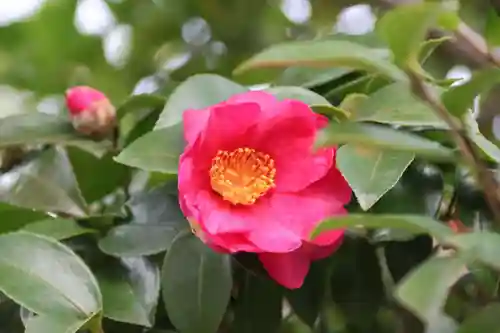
[(485, 178)]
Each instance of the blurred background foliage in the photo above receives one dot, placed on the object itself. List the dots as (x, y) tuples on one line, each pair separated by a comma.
[(125, 46)]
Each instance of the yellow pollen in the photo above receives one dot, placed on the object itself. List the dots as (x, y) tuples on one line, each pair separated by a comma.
[(242, 175)]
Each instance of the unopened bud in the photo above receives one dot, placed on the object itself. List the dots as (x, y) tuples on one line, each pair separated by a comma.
[(91, 111)]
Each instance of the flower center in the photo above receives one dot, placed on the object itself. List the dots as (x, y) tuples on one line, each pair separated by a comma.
[(242, 175)]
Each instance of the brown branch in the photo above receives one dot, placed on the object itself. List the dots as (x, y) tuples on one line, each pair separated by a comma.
[(485, 178)]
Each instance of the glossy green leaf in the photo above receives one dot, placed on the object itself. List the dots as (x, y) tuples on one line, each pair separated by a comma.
[(139, 125), (258, 306), (395, 104), (293, 324), (334, 113), (405, 27), (49, 324), (361, 84), (13, 218), (140, 102), (416, 224), (381, 137), (130, 291), (309, 77), (492, 28), (196, 285), (45, 183), (425, 290), (307, 96), (324, 53), (46, 277), (58, 229), (428, 47), (484, 320), (419, 192), (156, 151), (486, 146), (312, 77), (157, 219), (459, 99), (197, 92), (482, 246), (371, 173), (356, 288), (308, 300), (97, 177), (40, 128)]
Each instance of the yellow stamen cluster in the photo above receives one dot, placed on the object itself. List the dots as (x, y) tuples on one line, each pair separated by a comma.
[(242, 175)]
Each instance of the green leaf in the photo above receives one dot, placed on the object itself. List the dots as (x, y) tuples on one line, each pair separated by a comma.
[(46, 277), (492, 28), (482, 246), (484, 320), (307, 96), (39, 128), (416, 224), (358, 84), (310, 77), (425, 290), (356, 288), (13, 218), (419, 192), (335, 113), (60, 324), (46, 183), (396, 105), (58, 229), (156, 151), (307, 301), (140, 102), (381, 137), (196, 285), (139, 125), (97, 177), (197, 92), (405, 27), (428, 47), (258, 306), (371, 173), (459, 99), (486, 146), (324, 53), (157, 219), (130, 290), (351, 103)]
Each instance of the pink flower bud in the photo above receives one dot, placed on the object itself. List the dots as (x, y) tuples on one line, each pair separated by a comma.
[(90, 110)]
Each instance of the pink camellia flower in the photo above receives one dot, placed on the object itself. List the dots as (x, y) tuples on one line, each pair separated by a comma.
[(90, 110), (249, 180)]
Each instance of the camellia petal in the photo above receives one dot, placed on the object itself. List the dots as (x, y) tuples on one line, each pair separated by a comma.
[(227, 126), (266, 102), (288, 269), (194, 123), (288, 138)]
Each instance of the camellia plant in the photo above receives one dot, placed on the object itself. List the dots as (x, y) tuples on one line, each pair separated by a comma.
[(356, 193)]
